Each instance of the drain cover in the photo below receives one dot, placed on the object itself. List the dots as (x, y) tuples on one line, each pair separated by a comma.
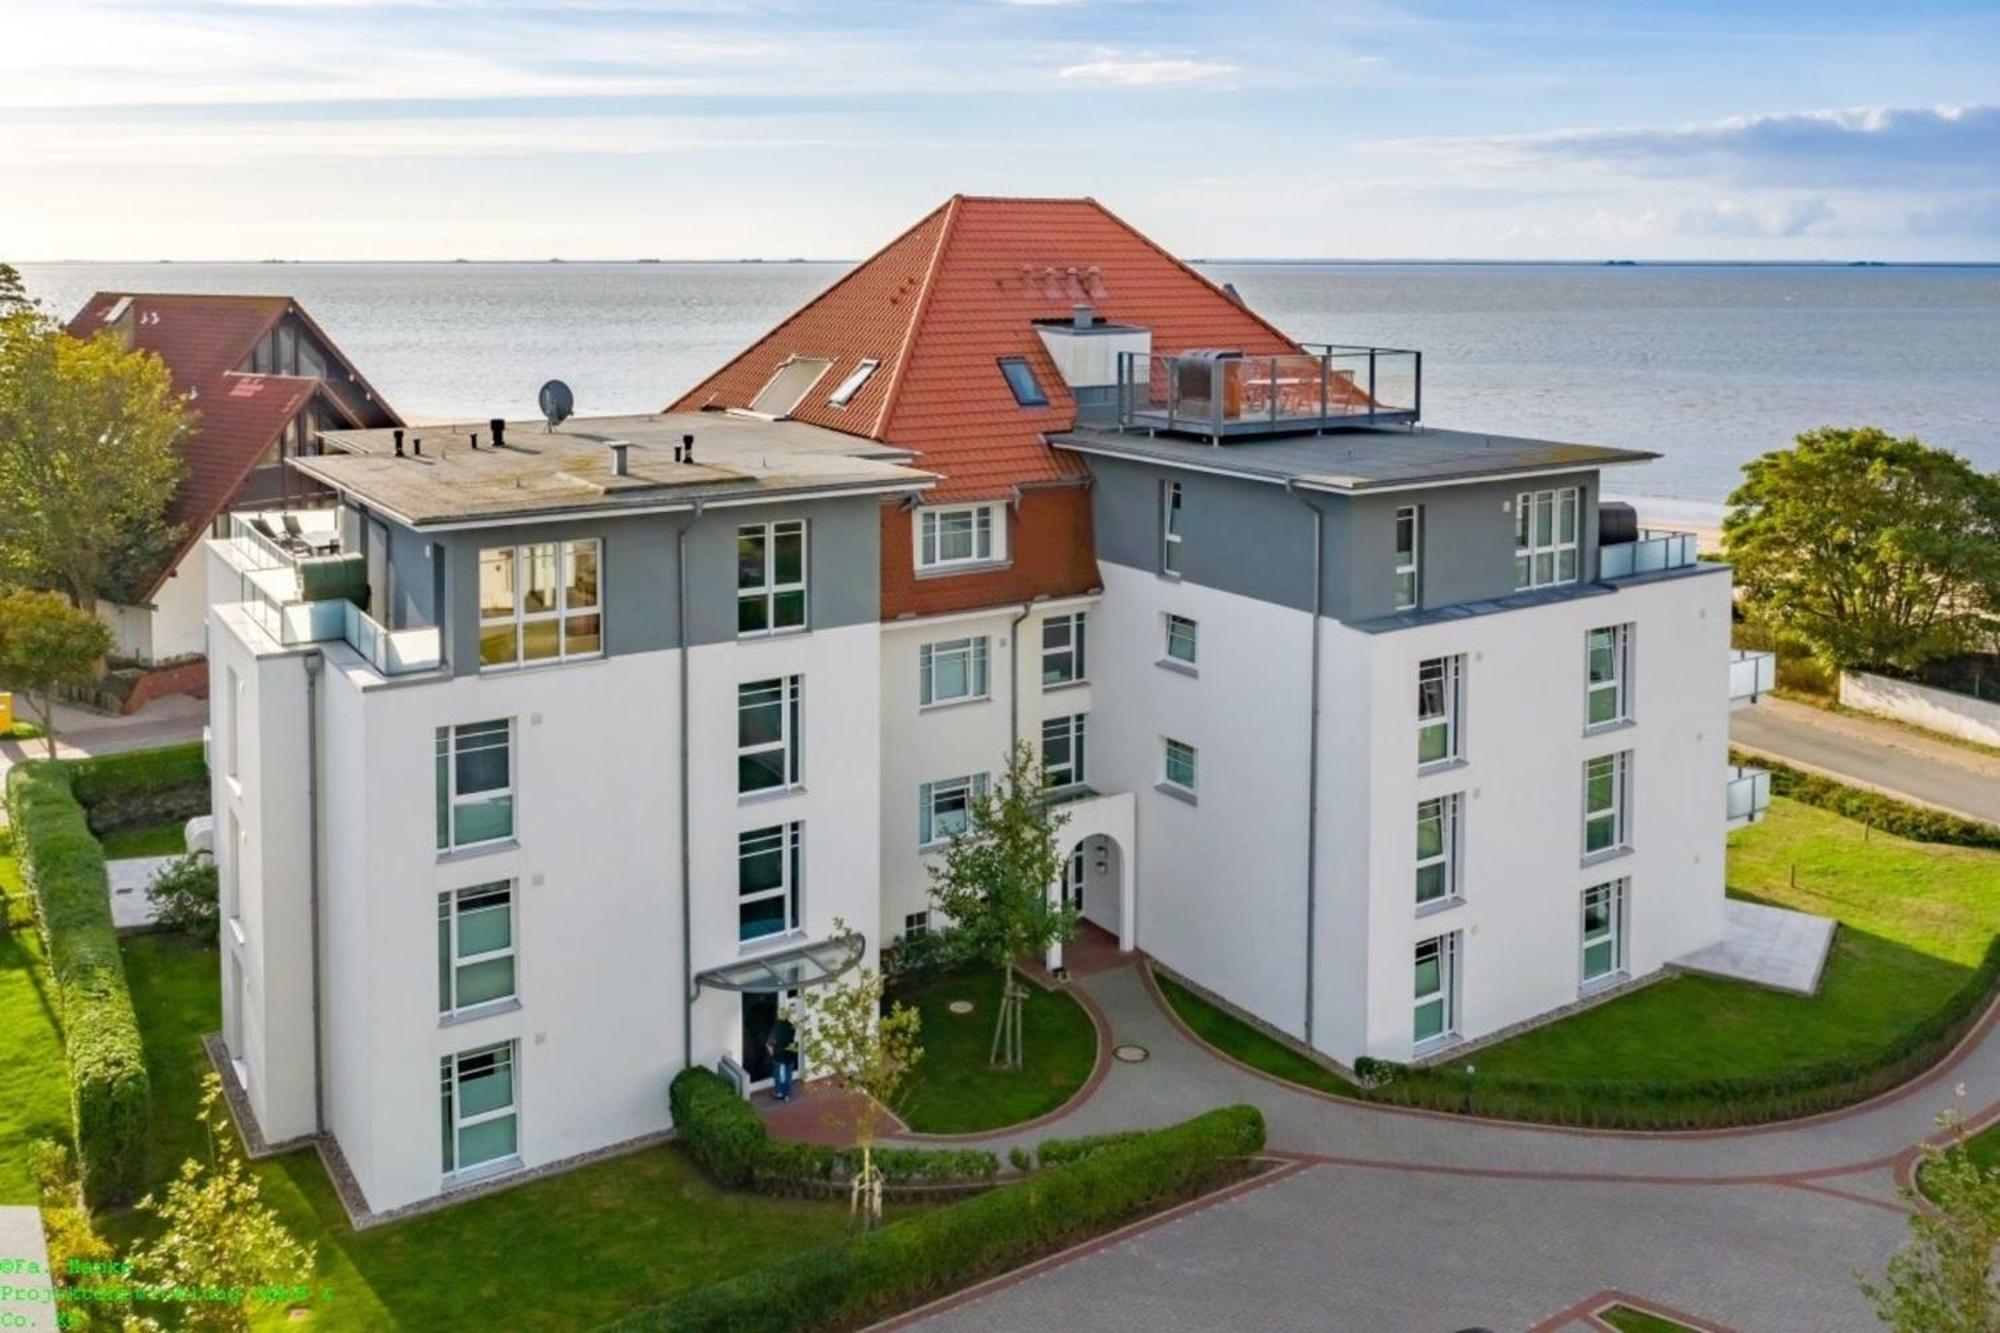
[(1131, 1055), (960, 1006)]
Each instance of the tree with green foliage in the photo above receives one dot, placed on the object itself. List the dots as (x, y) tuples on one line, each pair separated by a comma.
[(997, 883), (1876, 551), (90, 436), (13, 291), (217, 1233), (1942, 1280), (46, 642), (869, 1052)]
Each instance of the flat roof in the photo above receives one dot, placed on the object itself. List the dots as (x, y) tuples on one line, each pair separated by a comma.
[(1351, 461), (538, 472)]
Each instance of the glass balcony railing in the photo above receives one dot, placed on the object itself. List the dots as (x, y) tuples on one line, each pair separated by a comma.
[(1654, 551), (1752, 675), (1746, 794), (1221, 394), (295, 589)]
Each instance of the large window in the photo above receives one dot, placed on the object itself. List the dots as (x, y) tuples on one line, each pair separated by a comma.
[(475, 784), (1435, 1014), (1170, 527), (768, 734), (1437, 710), (1437, 849), (480, 1109), (789, 385), (1603, 931), (1183, 641), (945, 807), (1545, 527), (540, 603), (1179, 770), (475, 947), (1062, 650), (768, 875), (1409, 538), (951, 671), (770, 578), (962, 536), (1062, 749), (1606, 653), (1605, 782)]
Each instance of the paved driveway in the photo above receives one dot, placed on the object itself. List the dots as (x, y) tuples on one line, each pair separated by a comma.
[(1873, 754)]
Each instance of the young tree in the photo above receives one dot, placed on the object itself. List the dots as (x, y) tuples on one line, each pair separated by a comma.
[(90, 458), (218, 1233), (995, 883), (1876, 551), (46, 642), (869, 1053), (1942, 1280)]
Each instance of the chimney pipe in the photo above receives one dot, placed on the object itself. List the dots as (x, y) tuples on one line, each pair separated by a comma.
[(687, 448), (620, 467), (417, 445), (499, 428), (472, 439), (1083, 316), (398, 433)]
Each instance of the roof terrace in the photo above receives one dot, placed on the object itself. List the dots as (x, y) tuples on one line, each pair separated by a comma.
[(1220, 394)]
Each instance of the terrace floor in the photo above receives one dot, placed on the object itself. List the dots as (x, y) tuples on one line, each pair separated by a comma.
[(1768, 946)]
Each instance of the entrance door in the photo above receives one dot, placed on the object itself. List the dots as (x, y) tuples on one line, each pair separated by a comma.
[(1073, 879), (760, 1014)]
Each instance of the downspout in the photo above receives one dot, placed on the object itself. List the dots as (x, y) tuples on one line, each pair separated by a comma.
[(687, 854), (1312, 756), (313, 661), (1014, 677)]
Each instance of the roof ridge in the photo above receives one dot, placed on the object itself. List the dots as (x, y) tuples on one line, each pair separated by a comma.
[(1196, 274), (917, 313), (190, 296)]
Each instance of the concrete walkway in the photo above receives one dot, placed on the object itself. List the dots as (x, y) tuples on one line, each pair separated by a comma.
[(1392, 1219), (1872, 754), (24, 1270), (81, 733)]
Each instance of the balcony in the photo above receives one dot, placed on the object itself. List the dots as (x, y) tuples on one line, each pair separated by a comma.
[(1752, 675), (300, 588), (1222, 395), (1653, 551), (1746, 795)]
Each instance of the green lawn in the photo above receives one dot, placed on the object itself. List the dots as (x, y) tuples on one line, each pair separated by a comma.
[(570, 1252), (954, 1091), (155, 840), (1233, 1036), (1627, 1320), (34, 1092)]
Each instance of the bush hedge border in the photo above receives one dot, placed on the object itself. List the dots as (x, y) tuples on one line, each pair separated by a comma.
[(110, 1091), (137, 788), (1918, 823), (880, 1273)]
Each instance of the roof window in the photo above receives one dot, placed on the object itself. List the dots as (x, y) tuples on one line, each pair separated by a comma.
[(844, 392), (789, 386), (1021, 379)]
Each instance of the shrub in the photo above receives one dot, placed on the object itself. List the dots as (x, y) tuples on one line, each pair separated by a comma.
[(186, 897), (877, 1273), (1021, 1159), (1915, 822), (142, 787), (1373, 1073), (1061, 1152), (919, 955), (110, 1095), (720, 1130)]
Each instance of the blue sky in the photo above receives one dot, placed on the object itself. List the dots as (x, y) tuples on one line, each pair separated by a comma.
[(348, 129)]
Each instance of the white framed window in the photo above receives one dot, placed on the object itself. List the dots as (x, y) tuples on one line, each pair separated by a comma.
[(1436, 1013), (1179, 766), (1606, 661), (475, 947), (952, 671), (481, 1115), (965, 535), (1409, 546), (945, 807), (1606, 789), (916, 925), (1437, 710), (1183, 639), (1062, 749), (1545, 537), (843, 392), (1170, 527), (789, 385), (770, 866), (540, 602), (475, 784), (1062, 649), (770, 578), (768, 734), (1437, 849), (1603, 931)]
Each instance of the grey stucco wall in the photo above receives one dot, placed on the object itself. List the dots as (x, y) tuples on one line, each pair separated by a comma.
[(1244, 537)]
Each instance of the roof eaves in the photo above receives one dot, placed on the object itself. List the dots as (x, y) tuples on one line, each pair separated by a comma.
[(951, 209)]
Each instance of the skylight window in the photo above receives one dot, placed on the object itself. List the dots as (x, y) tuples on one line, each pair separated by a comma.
[(845, 391), (1021, 379), (789, 386)]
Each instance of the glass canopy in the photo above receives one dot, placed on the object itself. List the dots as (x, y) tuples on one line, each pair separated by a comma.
[(788, 969)]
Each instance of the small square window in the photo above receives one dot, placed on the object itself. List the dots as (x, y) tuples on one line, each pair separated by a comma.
[(1180, 765), (1182, 639), (952, 671), (916, 925), (1021, 379)]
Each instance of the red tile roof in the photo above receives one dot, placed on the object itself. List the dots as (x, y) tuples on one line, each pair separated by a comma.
[(202, 338)]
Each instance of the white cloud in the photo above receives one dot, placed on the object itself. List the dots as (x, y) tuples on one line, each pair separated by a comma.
[(1732, 217), (1146, 72)]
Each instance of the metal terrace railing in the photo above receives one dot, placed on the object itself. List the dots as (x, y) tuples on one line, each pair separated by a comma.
[(1655, 550), (1219, 394), (1752, 674), (287, 585), (1746, 795)]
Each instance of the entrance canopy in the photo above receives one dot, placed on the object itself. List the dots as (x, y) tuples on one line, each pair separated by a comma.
[(788, 969)]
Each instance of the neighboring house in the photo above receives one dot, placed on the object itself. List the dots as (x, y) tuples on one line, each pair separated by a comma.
[(1392, 737), (262, 380)]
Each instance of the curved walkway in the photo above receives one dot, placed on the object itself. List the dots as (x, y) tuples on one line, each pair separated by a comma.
[(1415, 1219)]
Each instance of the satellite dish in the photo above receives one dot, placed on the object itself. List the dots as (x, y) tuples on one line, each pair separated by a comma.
[(557, 403)]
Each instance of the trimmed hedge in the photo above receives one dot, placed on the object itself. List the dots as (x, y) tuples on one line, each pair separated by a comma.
[(1915, 822), (727, 1137), (110, 1094), (878, 1273), (1061, 1152), (142, 787)]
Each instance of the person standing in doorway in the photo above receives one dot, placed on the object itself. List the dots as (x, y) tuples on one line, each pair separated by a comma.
[(783, 1045)]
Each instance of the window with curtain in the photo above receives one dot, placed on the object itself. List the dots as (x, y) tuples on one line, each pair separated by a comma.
[(945, 807), (475, 784), (480, 1109), (475, 947), (952, 671), (768, 734), (1605, 781), (1605, 654), (1062, 649)]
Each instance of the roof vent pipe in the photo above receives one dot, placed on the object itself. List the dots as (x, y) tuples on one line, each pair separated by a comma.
[(499, 429), (472, 440), (1083, 316), (620, 467), (687, 448), (398, 433), (417, 445)]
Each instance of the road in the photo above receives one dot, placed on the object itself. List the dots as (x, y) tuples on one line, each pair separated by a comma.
[(1873, 754)]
